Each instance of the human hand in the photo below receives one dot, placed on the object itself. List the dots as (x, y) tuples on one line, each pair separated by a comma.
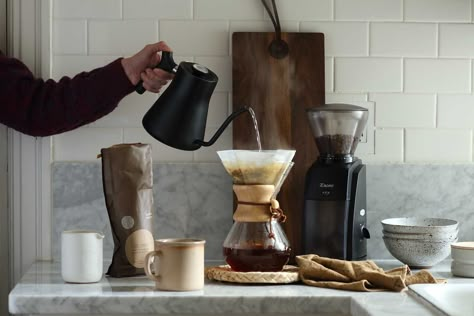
[(141, 67)]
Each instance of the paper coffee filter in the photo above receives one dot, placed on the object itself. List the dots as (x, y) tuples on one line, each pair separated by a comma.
[(256, 167)]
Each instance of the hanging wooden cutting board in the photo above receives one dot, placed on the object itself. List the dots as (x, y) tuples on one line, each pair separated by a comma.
[(279, 91)]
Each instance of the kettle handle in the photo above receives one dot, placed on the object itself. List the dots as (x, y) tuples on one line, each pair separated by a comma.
[(166, 63)]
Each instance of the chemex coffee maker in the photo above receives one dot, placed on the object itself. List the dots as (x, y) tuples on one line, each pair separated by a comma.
[(257, 241), (334, 214)]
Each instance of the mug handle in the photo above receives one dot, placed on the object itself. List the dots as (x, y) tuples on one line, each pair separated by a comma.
[(148, 261)]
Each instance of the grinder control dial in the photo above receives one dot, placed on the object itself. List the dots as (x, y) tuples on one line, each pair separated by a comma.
[(365, 232)]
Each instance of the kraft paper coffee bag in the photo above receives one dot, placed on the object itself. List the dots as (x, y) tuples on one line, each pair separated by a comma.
[(127, 176)]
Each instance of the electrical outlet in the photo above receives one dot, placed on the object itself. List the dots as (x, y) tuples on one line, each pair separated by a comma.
[(367, 143), (363, 137)]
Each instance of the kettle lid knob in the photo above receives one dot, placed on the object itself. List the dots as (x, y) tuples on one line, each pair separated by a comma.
[(200, 69)]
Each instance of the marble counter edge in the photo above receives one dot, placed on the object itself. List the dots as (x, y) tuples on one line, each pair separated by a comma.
[(41, 291)]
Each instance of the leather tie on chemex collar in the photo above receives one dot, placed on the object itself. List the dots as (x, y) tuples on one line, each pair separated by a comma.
[(275, 211)]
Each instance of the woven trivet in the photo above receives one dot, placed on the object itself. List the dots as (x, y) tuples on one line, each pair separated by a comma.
[(289, 274)]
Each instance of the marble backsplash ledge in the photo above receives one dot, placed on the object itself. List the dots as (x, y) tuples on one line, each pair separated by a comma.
[(445, 191), (195, 200), (190, 200)]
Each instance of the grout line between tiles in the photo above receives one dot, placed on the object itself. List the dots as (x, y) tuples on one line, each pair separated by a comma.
[(87, 37), (333, 10), (402, 77), (437, 40), (470, 77), (403, 10), (404, 147), (471, 144)]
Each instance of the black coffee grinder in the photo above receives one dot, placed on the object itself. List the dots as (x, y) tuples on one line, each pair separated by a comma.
[(334, 215)]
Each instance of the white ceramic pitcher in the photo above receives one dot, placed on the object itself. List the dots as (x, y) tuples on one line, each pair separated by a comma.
[(81, 256)]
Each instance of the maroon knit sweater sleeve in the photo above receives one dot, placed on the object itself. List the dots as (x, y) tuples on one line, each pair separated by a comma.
[(42, 108)]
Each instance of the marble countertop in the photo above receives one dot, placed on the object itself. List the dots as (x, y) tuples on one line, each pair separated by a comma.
[(41, 291)]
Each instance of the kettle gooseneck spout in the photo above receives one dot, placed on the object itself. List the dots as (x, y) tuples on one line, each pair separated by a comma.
[(222, 127)]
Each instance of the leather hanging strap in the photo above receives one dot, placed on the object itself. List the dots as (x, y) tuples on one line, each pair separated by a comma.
[(274, 17), (278, 47)]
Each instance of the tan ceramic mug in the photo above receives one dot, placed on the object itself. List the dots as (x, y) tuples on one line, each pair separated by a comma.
[(178, 264)]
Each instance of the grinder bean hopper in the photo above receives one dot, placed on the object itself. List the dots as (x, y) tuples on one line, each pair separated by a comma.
[(334, 214)]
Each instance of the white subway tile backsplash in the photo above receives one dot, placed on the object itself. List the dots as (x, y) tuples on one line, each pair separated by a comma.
[(403, 39), (438, 10), (304, 10), (159, 9), (437, 75), (129, 112), (368, 74), (69, 65), (455, 40), (367, 143), (120, 37), (196, 37), (438, 145), (209, 154), (329, 74), (91, 9), (345, 97), (69, 37), (455, 111), (222, 66), (262, 26), (85, 143), (411, 57), (159, 151), (341, 38), (472, 12), (217, 109), (471, 76), (404, 110), (389, 144), (368, 10), (228, 9)]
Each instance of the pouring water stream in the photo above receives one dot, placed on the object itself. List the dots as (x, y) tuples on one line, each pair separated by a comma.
[(255, 125), (259, 143)]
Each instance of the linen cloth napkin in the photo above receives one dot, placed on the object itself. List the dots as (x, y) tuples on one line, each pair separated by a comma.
[(364, 276)]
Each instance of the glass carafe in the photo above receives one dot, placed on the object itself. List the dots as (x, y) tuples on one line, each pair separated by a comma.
[(257, 241)]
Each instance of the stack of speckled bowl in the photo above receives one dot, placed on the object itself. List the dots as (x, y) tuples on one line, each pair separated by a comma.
[(419, 242)]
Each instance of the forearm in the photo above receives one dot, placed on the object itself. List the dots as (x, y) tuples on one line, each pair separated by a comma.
[(41, 108)]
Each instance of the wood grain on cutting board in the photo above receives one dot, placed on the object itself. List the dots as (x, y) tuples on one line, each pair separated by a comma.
[(279, 91)]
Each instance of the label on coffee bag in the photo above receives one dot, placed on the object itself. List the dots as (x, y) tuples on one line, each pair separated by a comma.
[(138, 244), (128, 222)]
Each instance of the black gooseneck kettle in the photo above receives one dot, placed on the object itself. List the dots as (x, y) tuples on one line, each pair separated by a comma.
[(178, 117)]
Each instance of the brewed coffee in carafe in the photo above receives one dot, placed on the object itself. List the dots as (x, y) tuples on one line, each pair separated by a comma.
[(256, 241)]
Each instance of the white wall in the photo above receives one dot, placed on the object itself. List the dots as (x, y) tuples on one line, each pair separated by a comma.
[(4, 227), (413, 58)]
